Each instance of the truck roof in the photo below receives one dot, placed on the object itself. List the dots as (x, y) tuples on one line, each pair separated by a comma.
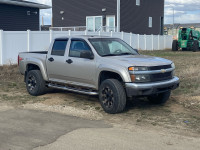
[(83, 36)]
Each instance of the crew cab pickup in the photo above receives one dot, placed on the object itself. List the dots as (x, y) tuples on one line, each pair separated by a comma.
[(96, 65)]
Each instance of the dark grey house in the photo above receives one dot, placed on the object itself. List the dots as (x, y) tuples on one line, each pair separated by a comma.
[(137, 16), (18, 15)]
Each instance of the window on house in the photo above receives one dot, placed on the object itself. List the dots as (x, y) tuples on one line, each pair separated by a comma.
[(150, 22), (94, 23), (59, 47), (110, 23), (138, 2)]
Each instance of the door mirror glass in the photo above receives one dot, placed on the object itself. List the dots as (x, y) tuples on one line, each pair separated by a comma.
[(86, 54)]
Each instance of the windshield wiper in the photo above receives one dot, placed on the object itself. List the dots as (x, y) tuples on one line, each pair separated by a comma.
[(118, 54), (110, 55), (126, 54)]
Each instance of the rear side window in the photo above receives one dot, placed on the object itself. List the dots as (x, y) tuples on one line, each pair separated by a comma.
[(59, 47), (77, 46)]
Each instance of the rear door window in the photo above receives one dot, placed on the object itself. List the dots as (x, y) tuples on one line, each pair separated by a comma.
[(59, 47)]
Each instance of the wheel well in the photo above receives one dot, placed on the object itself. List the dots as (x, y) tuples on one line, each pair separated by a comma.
[(109, 75), (32, 67)]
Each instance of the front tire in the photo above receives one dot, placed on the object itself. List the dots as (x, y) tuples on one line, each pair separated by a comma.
[(35, 83), (161, 98), (112, 96)]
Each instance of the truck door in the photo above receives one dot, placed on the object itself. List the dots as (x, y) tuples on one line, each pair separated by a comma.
[(80, 71), (56, 61)]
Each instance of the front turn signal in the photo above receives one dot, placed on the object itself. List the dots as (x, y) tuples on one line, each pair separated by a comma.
[(132, 78), (131, 68)]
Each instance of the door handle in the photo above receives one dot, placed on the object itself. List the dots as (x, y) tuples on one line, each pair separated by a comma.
[(69, 61), (51, 59)]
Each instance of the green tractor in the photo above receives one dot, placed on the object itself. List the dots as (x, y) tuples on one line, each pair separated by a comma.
[(188, 39)]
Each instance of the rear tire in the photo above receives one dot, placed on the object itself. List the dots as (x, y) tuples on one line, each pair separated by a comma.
[(161, 98), (35, 83), (112, 96), (175, 45), (195, 46)]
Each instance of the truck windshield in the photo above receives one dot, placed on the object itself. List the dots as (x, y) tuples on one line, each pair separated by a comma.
[(111, 47)]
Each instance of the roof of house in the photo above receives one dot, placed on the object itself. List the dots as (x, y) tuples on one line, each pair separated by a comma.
[(178, 25), (24, 4)]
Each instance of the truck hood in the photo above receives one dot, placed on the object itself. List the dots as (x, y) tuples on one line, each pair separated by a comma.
[(138, 60)]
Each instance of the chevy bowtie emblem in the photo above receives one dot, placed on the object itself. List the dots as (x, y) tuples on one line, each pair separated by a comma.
[(163, 71)]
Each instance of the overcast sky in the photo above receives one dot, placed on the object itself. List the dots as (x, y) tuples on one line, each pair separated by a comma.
[(186, 11)]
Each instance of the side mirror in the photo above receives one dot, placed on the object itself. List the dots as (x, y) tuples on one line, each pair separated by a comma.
[(86, 54)]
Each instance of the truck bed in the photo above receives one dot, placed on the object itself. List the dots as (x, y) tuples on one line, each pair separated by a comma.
[(38, 52), (29, 57)]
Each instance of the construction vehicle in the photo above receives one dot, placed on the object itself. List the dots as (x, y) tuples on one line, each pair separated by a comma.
[(188, 39)]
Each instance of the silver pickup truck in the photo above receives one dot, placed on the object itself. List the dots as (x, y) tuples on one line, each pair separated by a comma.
[(96, 65)]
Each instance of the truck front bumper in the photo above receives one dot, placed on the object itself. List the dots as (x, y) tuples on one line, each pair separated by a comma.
[(145, 89)]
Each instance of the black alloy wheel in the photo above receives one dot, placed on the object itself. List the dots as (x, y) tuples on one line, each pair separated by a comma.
[(31, 82), (108, 97), (112, 96), (35, 83)]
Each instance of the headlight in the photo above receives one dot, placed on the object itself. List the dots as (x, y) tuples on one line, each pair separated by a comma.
[(140, 78), (137, 68), (173, 65)]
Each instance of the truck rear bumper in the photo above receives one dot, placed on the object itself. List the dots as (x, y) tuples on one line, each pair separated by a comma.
[(145, 89)]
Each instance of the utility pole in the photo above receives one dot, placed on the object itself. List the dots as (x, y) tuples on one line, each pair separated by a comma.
[(118, 15), (173, 21), (42, 21)]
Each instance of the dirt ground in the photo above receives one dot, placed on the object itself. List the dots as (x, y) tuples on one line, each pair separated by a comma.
[(181, 114)]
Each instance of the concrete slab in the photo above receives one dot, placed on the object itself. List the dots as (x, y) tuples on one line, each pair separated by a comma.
[(121, 139), (28, 129)]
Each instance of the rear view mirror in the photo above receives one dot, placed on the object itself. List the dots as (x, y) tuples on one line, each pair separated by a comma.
[(86, 54)]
